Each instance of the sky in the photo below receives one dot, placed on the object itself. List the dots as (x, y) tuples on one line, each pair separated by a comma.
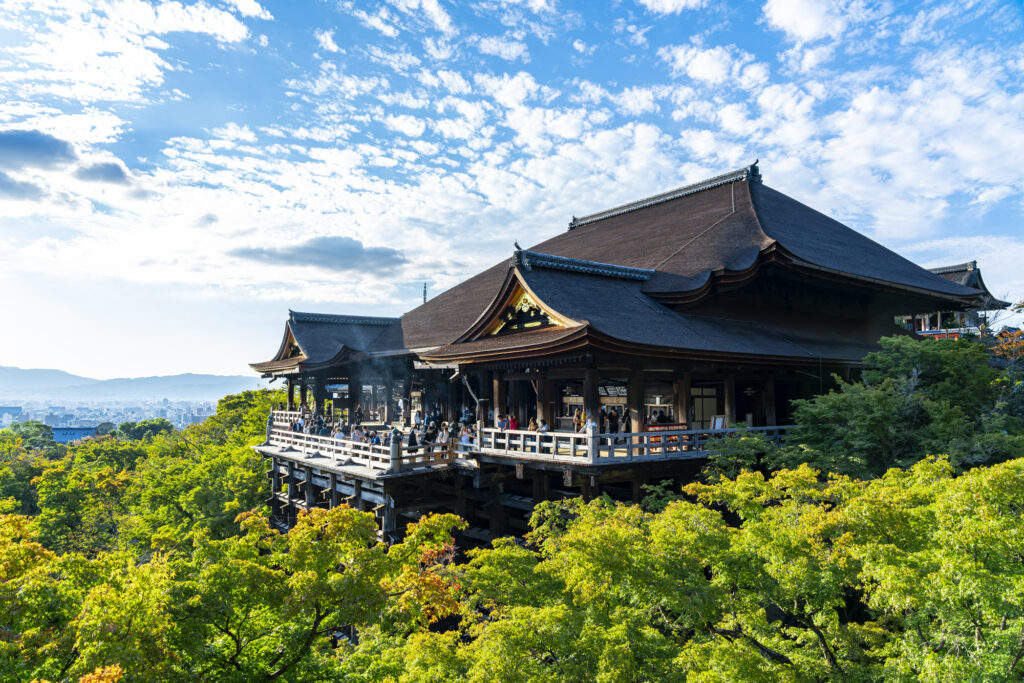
[(175, 176)]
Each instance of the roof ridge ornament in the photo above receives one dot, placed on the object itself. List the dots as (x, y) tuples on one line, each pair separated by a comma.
[(300, 317), (749, 173), (533, 259)]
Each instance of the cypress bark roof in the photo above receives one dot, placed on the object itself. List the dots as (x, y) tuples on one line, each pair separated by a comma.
[(969, 275), (609, 271), (321, 338), (687, 236)]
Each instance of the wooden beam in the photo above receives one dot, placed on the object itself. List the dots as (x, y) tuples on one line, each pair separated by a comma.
[(730, 399), (681, 402), (591, 401)]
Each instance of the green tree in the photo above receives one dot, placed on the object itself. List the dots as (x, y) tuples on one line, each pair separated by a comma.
[(34, 435), (144, 429)]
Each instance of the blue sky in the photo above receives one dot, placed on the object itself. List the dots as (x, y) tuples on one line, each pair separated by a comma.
[(174, 175)]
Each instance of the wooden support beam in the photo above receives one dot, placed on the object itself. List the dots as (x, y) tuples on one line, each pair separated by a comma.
[(333, 501), (730, 399), (591, 401), (275, 486), (358, 489), (635, 400), (310, 490), (769, 401), (389, 524), (681, 398), (500, 397)]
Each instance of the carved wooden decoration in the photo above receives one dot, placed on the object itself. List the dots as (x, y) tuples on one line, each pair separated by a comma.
[(524, 314)]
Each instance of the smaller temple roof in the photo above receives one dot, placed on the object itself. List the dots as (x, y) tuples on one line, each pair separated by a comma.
[(969, 275), (314, 339)]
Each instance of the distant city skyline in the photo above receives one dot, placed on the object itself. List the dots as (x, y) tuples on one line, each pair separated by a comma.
[(174, 176)]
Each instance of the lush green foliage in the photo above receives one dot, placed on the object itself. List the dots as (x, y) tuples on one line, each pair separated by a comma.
[(147, 556), (959, 398), (916, 576)]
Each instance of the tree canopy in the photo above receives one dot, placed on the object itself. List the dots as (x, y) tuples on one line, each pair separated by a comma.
[(882, 542)]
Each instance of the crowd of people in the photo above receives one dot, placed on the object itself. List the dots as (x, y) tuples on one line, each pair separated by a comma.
[(422, 433), (429, 428)]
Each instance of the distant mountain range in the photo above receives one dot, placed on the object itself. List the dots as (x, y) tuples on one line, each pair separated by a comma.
[(19, 383)]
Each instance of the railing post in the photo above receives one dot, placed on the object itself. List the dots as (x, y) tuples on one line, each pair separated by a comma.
[(396, 452), (592, 443)]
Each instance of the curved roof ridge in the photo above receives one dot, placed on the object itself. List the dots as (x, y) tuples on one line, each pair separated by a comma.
[(960, 267), (299, 317), (750, 172), (536, 259), (822, 242)]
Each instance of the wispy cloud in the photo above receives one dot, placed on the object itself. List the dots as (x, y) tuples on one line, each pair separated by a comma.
[(328, 252)]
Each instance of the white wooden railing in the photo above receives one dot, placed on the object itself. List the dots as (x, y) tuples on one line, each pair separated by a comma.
[(668, 445), (392, 458), (583, 448)]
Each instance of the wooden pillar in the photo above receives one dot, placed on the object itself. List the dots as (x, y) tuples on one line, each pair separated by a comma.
[(275, 487), (730, 399), (513, 397), (407, 398), (770, 418), (292, 493), (310, 493), (540, 383), (333, 499), (389, 391), (355, 388), (357, 492), (389, 523), (291, 394), (500, 395), (635, 400), (320, 393), (496, 512), (547, 398), (460, 497), (303, 392), (591, 400), (681, 402)]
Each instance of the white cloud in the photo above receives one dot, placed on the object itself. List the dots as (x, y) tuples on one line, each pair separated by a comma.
[(398, 60), (715, 65), (250, 8), (671, 6), (511, 91), (326, 40), (636, 35), (506, 48), (381, 20), (439, 50), (232, 131), (431, 10), (406, 125), (806, 20), (104, 51), (582, 47)]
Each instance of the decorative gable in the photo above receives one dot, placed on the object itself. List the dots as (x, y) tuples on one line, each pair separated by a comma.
[(521, 314)]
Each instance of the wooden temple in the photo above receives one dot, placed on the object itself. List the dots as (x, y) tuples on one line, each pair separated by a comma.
[(678, 315)]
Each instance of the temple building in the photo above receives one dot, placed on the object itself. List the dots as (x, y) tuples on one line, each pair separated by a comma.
[(710, 305), (958, 323)]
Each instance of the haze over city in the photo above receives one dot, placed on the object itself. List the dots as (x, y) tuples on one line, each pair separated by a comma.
[(174, 177)]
